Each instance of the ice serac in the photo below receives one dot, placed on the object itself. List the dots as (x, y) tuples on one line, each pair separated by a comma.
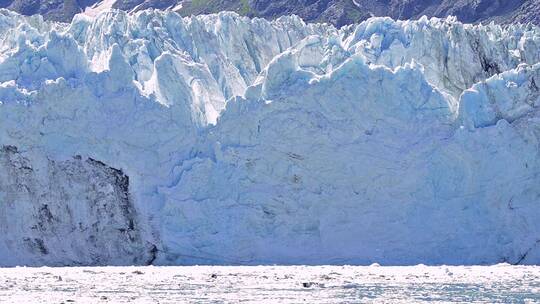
[(152, 138)]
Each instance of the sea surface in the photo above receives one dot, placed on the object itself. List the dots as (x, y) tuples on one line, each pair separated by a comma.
[(272, 284)]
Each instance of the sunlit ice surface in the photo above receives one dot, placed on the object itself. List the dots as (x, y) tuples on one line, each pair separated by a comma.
[(272, 284)]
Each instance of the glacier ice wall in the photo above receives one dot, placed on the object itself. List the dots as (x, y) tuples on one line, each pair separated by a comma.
[(82, 201), (151, 138)]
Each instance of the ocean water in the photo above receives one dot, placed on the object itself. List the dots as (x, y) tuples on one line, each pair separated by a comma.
[(272, 284)]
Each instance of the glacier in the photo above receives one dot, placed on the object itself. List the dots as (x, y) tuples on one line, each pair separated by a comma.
[(149, 138)]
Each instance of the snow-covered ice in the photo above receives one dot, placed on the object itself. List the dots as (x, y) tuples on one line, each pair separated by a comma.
[(319, 284), (99, 7), (151, 138)]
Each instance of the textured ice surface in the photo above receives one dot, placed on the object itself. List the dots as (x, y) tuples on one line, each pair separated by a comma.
[(244, 141), (319, 284)]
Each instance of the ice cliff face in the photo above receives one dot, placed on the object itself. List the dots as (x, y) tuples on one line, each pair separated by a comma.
[(151, 138), (68, 212)]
